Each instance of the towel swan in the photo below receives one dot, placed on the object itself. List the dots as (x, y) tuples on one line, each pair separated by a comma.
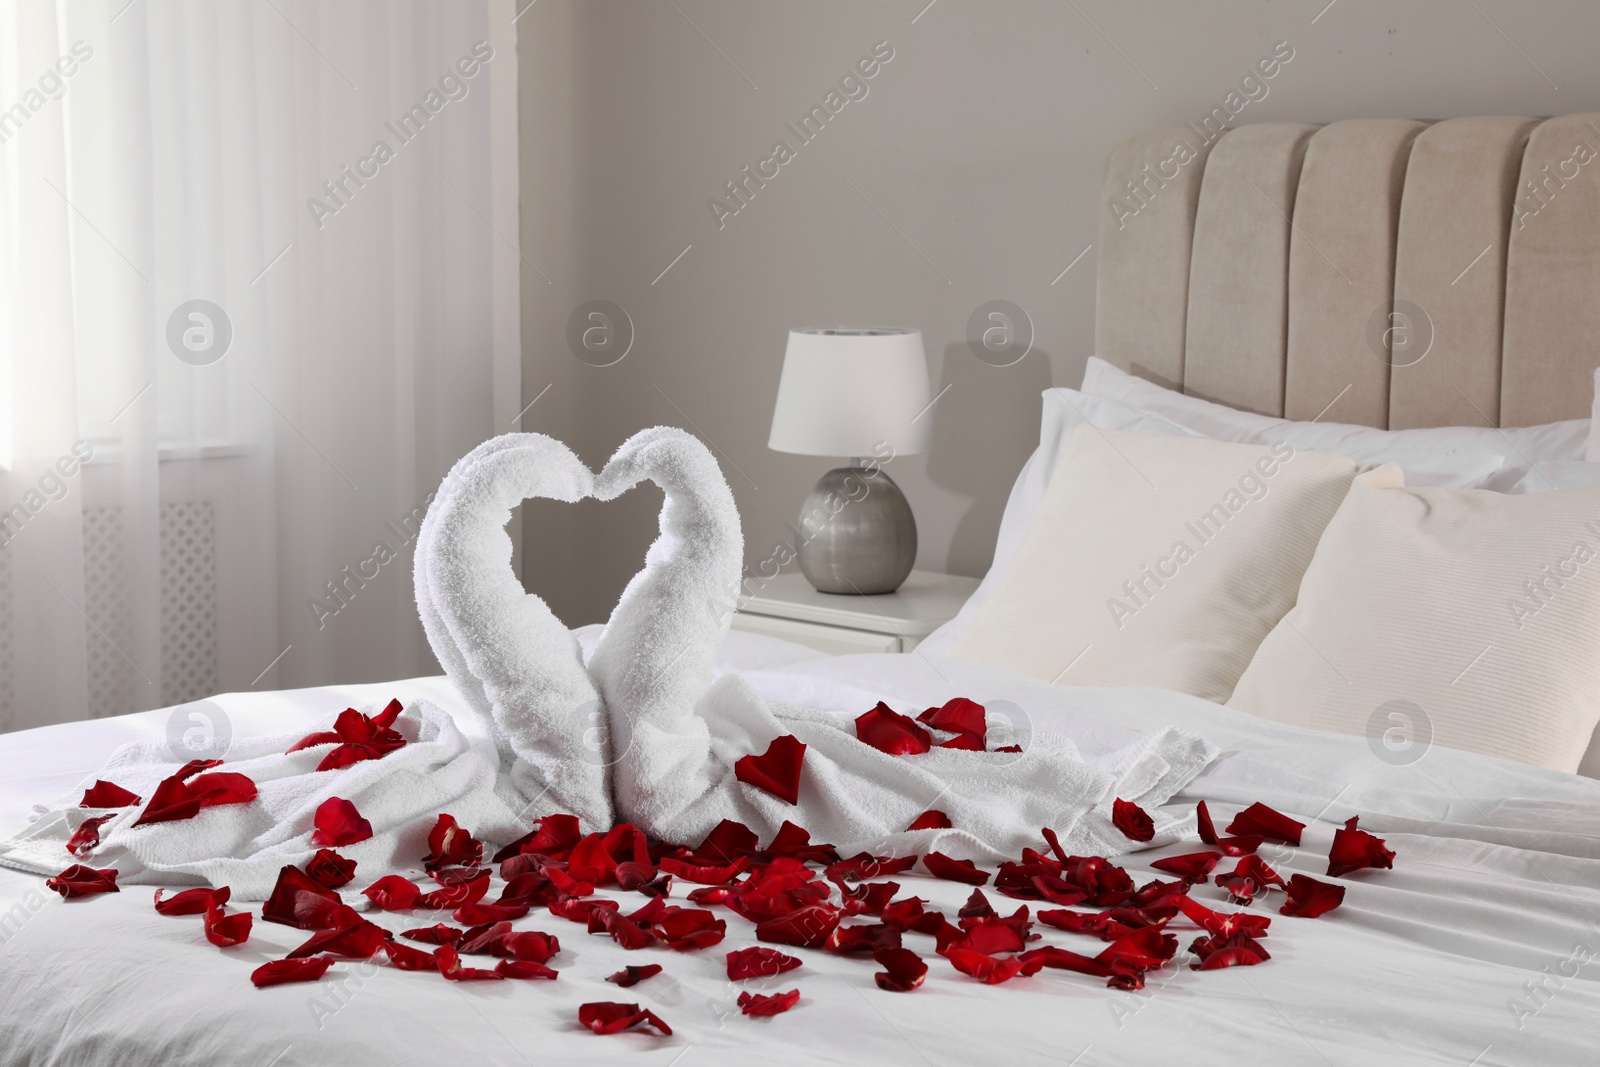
[(507, 654)]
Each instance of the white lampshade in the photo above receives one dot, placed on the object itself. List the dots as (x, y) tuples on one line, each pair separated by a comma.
[(844, 389)]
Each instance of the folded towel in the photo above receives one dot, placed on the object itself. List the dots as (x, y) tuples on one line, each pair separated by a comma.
[(677, 736), (507, 654), (441, 768)]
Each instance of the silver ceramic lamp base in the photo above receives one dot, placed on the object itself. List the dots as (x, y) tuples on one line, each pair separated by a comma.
[(856, 533)]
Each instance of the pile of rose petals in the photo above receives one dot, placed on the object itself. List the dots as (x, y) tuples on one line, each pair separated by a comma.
[(356, 737), (797, 893)]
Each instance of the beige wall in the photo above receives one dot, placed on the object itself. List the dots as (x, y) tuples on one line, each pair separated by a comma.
[(981, 142)]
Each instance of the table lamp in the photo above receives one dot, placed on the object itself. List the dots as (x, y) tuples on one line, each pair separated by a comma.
[(860, 392)]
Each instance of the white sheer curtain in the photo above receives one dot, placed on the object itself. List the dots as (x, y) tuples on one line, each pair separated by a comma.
[(178, 518)]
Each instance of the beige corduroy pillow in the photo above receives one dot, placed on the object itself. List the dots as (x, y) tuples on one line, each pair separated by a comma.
[(1158, 561), (1456, 617)]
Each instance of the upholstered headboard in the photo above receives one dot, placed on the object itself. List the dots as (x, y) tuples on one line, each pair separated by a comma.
[(1385, 272)]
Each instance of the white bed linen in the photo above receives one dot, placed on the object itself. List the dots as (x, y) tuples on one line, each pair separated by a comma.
[(1497, 875)]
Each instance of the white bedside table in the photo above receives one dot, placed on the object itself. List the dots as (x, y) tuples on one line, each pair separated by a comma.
[(789, 608)]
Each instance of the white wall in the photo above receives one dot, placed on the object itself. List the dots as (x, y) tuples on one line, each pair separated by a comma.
[(980, 142)]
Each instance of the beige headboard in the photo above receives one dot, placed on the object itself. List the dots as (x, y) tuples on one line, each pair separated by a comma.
[(1285, 268)]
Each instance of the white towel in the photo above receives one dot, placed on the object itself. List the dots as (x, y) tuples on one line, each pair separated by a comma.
[(677, 736), (507, 654), (440, 769)]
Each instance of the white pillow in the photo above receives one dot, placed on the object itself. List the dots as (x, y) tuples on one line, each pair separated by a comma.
[(1480, 609), (1064, 411), (1546, 477), (1157, 561), (1521, 445)]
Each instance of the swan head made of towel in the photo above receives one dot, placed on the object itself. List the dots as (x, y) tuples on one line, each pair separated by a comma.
[(520, 668)]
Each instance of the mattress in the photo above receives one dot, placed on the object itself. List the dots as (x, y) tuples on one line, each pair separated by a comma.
[(1475, 948)]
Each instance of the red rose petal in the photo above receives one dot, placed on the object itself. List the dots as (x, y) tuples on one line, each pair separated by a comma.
[(86, 838), (339, 823), (222, 787), (632, 976), (976, 907), (610, 1017), (1241, 890), (279, 972), (1156, 892), (329, 869), (868, 899), (990, 936), (963, 742), (1353, 849), (486, 939), (863, 866), (476, 914), (1223, 924), (777, 770), (391, 711), (930, 820), (1232, 846), (192, 901), (410, 959), (194, 767), (759, 962), (686, 929), (941, 866), (624, 931), (806, 927), (960, 716), (865, 939), (795, 842), (1256, 869), (530, 945), (985, 969), (1132, 821), (554, 837), (1235, 950), (1260, 820), (566, 884), (437, 934), (765, 1004), (450, 966), (728, 841), (298, 901), (1192, 867), (105, 794), (704, 875), (525, 969), (1309, 898), (225, 931), (888, 731), (357, 737), (392, 893), (171, 802), (1145, 949), (903, 969), (579, 911), (360, 940), (80, 881), (449, 845)]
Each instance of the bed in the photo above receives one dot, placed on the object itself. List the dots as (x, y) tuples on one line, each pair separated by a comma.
[(1475, 949)]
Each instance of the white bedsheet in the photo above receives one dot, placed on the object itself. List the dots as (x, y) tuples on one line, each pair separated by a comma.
[(1496, 885)]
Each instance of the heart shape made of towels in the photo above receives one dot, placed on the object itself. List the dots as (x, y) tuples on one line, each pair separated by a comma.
[(518, 665)]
